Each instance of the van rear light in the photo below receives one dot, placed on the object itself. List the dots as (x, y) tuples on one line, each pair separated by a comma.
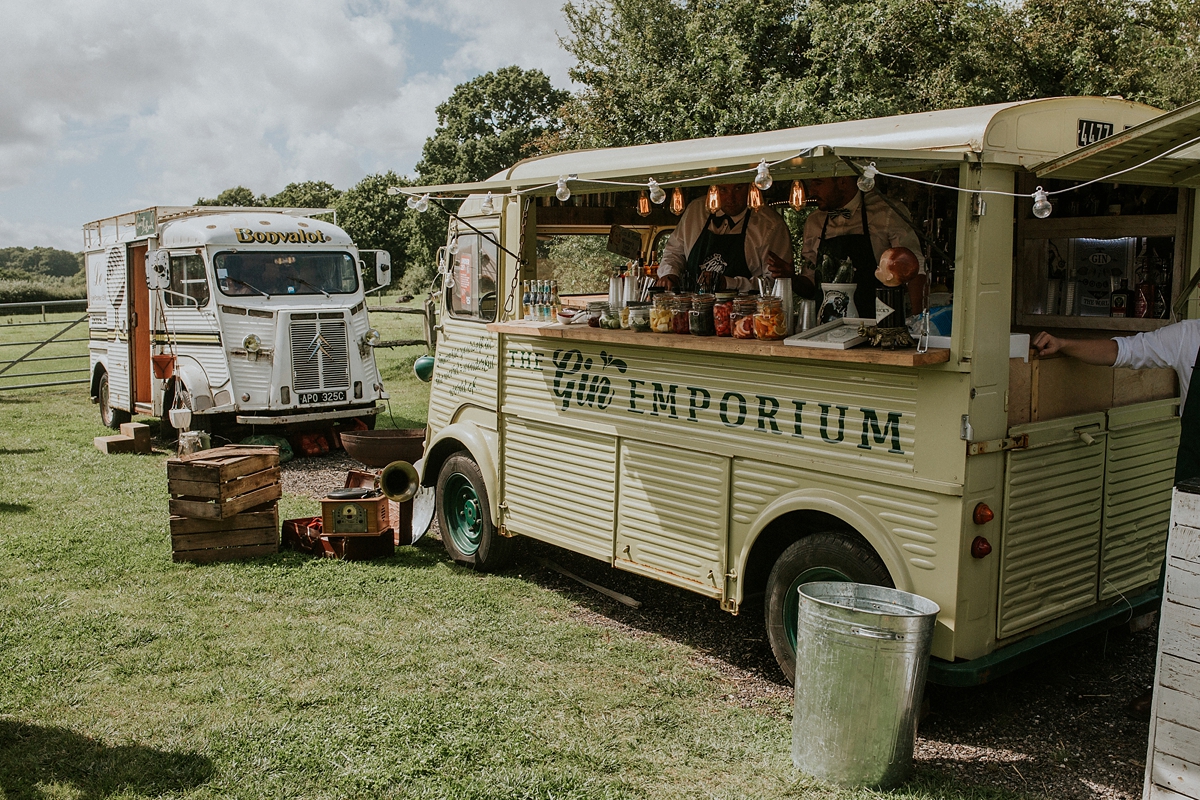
[(980, 547), (982, 514), (285, 395)]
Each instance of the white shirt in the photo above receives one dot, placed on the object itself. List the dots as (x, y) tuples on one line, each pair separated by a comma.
[(1171, 346), (766, 231), (888, 229)]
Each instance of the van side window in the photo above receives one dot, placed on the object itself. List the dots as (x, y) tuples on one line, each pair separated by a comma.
[(471, 284), (189, 283)]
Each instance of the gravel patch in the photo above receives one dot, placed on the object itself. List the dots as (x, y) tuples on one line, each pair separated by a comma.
[(315, 476)]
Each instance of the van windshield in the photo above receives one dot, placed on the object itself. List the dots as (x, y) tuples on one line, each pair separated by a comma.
[(259, 273)]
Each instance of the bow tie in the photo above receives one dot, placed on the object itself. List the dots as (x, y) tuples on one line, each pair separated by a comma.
[(844, 213), (723, 222)]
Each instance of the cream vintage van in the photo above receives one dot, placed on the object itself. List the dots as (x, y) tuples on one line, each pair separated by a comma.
[(1028, 498)]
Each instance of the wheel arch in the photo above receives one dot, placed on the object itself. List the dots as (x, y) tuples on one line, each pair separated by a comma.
[(98, 370), (479, 443), (796, 515), (190, 372)]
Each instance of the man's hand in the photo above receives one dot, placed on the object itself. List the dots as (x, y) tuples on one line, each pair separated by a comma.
[(778, 268), (1046, 345), (667, 281)]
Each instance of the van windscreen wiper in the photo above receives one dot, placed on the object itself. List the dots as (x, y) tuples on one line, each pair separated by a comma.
[(298, 279), (248, 286)]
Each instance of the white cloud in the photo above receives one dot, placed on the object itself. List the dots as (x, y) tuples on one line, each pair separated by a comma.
[(141, 102)]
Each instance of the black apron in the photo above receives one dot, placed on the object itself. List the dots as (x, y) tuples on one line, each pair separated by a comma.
[(856, 247), (719, 253), (1187, 460)]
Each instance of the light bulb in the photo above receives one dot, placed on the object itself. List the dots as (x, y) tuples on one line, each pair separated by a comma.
[(714, 200), (657, 195), (763, 179), (866, 181), (1041, 203), (411, 202), (755, 198), (393, 190), (563, 192), (643, 206), (677, 204), (453, 248), (796, 197), (488, 207), (422, 205)]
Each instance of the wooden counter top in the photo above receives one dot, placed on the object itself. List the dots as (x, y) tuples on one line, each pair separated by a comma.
[(862, 354)]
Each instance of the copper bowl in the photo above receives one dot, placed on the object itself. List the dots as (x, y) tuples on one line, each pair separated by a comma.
[(380, 448)]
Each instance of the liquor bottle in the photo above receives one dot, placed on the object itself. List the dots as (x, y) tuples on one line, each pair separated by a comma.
[(1121, 304), (554, 301), (525, 300)]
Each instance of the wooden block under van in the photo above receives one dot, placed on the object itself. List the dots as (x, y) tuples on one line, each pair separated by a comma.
[(140, 433), (115, 444)]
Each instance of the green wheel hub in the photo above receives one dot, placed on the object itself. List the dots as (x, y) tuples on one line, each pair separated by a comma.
[(464, 514), (791, 605)]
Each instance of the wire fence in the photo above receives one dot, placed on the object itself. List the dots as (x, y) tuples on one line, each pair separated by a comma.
[(42, 344)]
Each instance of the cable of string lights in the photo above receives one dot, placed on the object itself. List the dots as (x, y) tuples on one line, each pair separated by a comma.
[(764, 181)]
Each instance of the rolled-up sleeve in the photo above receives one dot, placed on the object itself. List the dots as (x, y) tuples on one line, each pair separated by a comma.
[(675, 254)]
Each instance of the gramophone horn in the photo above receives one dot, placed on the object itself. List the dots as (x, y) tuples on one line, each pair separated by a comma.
[(400, 481)]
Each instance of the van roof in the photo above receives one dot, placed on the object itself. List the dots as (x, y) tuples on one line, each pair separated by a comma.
[(249, 228), (144, 223), (1026, 133)]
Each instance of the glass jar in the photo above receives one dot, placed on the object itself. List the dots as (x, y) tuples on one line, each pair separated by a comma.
[(639, 318), (660, 313), (769, 322), (700, 318), (625, 316), (681, 307), (741, 317), (722, 309), (595, 309), (610, 318)]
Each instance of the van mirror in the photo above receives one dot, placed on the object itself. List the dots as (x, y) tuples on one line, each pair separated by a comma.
[(383, 268), (158, 270)]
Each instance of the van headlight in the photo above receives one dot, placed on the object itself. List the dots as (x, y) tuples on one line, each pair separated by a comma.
[(252, 343), (372, 338)]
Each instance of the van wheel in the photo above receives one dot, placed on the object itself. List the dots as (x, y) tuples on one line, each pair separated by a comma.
[(111, 417), (465, 519), (824, 556)]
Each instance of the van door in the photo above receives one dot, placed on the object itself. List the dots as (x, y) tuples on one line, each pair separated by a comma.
[(118, 305), (139, 330)]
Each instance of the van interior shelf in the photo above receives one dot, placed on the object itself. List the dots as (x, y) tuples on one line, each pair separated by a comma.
[(862, 354)]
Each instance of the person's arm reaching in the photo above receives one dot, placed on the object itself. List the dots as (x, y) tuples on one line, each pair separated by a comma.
[(1102, 352)]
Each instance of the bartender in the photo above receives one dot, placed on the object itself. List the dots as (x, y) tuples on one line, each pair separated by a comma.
[(726, 249), (862, 227)]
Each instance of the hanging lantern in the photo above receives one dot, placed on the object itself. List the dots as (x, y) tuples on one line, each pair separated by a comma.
[(714, 200), (677, 204), (796, 197), (643, 205), (754, 199)]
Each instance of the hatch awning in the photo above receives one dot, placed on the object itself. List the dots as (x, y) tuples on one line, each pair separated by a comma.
[(1171, 140)]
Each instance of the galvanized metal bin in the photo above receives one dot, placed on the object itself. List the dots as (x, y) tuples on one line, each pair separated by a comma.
[(861, 657)]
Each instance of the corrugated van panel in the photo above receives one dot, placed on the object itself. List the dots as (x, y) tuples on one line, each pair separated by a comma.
[(1050, 544), (769, 409), (464, 371), (1142, 443), (559, 486), (673, 515)]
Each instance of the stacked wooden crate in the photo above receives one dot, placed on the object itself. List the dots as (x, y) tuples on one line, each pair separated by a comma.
[(224, 503)]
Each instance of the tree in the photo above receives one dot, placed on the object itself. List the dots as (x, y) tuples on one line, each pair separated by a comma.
[(377, 220), (307, 194), (39, 261), (490, 123), (237, 196)]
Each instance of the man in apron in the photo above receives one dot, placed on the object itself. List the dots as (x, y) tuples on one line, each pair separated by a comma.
[(859, 227), (725, 249), (1175, 346)]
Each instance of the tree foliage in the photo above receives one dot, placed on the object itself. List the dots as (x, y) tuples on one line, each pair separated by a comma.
[(659, 70), (21, 262), (490, 123), (306, 194), (237, 196)]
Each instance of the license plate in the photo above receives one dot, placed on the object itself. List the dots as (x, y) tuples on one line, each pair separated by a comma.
[(307, 398)]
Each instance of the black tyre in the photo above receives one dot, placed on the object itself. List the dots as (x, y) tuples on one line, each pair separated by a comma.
[(824, 556), (466, 519), (111, 417)]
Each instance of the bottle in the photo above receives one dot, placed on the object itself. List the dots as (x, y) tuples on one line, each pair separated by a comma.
[(1122, 300), (527, 301), (555, 305)]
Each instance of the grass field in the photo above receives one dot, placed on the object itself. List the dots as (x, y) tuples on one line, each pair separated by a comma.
[(124, 675)]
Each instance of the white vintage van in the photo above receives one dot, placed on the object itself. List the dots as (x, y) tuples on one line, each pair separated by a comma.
[(255, 314), (1028, 498)]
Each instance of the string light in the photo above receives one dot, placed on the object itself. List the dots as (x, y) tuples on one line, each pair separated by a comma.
[(453, 248), (754, 199), (393, 190), (488, 206), (713, 202), (643, 205), (763, 179), (677, 204), (866, 181), (1041, 203), (418, 204), (796, 197), (657, 195), (563, 192)]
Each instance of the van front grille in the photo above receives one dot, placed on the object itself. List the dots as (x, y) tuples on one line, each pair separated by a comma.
[(320, 356)]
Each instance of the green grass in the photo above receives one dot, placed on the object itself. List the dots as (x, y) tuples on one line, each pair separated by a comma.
[(125, 675)]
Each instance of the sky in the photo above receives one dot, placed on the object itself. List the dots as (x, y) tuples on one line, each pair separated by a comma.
[(108, 106)]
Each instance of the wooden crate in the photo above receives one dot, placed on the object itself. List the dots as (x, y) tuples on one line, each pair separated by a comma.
[(246, 535), (1055, 387), (223, 482)]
